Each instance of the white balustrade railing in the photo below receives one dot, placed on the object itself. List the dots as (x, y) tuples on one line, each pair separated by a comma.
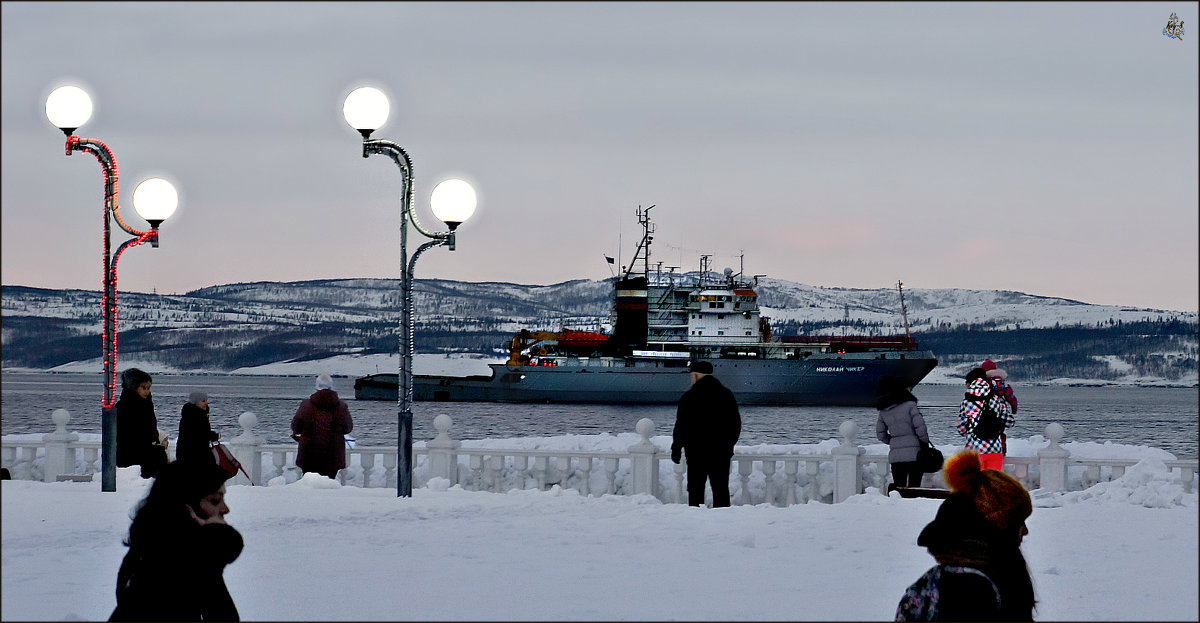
[(780, 479)]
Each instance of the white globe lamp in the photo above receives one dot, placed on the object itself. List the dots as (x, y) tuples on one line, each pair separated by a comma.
[(366, 110), (68, 107), (453, 201), (155, 200)]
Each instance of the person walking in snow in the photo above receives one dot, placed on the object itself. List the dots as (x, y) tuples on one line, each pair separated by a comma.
[(707, 425), (320, 425), (902, 428), (981, 574), (195, 431), (139, 442), (179, 544), (980, 406)]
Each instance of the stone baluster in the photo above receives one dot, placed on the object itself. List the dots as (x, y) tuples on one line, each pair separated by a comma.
[(539, 471), (1118, 471), (563, 463), (8, 458), (610, 474), (584, 467), (643, 462), (745, 468), (278, 461), (680, 469), (367, 461), (1052, 460), (91, 460), (245, 448), (521, 467), (495, 467), (768, 467), (443, 451), (390, 460), (812, 490), (846, 475), (790, 468), (60, 456), (475, 462)]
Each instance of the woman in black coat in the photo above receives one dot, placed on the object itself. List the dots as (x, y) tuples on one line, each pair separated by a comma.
[(137, 428), (179, 544), (195, 432)]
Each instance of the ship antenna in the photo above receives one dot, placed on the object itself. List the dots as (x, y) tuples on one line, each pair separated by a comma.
[(903, 309)]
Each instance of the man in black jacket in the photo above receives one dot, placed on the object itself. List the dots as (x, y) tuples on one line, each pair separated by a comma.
[(707, 424)]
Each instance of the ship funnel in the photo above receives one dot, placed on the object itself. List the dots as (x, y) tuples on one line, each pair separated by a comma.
[(631, 305)]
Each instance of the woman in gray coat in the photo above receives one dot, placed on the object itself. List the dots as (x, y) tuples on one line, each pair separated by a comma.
[(902, 428)]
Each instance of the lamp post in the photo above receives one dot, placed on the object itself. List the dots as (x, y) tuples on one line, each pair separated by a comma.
[(453, 201), (155, 199)]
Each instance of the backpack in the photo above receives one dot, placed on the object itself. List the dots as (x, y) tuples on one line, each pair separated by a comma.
[(989, 425), (920, 600)]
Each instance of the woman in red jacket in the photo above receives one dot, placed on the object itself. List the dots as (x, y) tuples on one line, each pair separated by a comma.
[(320, 425)]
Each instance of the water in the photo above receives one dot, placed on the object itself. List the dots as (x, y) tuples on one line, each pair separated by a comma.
[(1157, 417)]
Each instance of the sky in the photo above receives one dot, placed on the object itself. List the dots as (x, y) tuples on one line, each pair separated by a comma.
[(1123, 550), (1047, 148)]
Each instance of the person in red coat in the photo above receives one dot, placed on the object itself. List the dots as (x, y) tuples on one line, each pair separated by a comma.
[(320, 425)]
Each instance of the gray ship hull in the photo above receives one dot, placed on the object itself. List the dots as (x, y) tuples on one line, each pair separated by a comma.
[(847, 379)]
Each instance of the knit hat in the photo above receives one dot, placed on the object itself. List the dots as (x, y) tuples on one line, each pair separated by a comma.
[(703, 367), (1000, 497), (992, 371), (324, 381), (196, 396)]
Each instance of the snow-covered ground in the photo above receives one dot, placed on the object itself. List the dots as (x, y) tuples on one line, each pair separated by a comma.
[(315, 550)]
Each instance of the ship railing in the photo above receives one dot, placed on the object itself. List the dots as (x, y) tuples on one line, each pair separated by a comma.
[(643, 468)]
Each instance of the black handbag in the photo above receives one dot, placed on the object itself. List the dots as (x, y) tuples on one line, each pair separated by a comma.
[(929, 458)]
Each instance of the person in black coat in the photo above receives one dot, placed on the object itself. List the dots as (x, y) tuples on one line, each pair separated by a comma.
[(179, 544), (195, 432), (981, 574), (707, 425), (138, 437)]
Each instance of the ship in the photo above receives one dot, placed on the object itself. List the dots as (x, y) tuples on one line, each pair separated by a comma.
[(660, 323)]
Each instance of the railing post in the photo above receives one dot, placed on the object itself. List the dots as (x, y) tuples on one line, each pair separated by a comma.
[(1052, 460), (847, 478), (643, 460), (443, 451), (245, 450), (60, 457)]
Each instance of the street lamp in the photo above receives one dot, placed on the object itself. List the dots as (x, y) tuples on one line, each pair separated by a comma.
[(155, 199), (453, 201)]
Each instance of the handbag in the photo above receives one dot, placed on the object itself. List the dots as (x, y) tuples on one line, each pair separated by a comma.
[(929, 458), (228, 462)]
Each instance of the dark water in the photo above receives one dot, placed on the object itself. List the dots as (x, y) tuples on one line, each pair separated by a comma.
[(1157, 417)]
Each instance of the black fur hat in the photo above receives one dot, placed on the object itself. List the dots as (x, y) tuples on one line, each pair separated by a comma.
[(131, 378)]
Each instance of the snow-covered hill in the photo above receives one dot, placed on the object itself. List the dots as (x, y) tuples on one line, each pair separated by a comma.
[(247, 326)]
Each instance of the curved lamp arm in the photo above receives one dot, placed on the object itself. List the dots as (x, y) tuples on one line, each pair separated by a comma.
[(400, 157), (108, 163)]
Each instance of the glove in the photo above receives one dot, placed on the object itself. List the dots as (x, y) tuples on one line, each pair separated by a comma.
[(676, 455)]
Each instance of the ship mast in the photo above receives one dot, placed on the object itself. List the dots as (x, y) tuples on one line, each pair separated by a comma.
[(644, 245), (903, 309)]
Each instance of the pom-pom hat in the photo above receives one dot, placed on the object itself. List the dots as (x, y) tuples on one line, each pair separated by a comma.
[(1000, 497), (196, 396), (324, 381), (992, 371)]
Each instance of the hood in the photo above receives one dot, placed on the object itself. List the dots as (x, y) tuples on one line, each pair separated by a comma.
[(325, 399), (979, 387)]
